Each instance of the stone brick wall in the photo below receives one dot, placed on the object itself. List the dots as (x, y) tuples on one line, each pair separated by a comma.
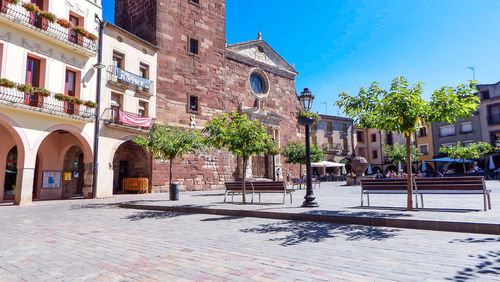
[(138, 17), (220, 84)]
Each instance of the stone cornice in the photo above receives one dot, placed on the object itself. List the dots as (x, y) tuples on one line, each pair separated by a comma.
[(230, 54)]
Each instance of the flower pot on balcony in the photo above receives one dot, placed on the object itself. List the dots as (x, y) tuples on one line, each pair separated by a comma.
[(33, 99), (6, 83), (71, 108)]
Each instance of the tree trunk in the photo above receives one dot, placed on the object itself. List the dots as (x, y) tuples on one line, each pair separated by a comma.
[(409, 177), (300, 170), (243, 197), (463, 165), (170, 175)]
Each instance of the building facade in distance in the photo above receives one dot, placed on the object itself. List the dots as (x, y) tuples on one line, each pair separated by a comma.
[(490, 117), (335, 136)]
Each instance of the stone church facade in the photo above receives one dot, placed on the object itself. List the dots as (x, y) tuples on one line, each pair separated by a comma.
[(200, 77)]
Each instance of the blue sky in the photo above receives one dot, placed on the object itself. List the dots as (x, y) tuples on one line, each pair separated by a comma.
[(344, 45)]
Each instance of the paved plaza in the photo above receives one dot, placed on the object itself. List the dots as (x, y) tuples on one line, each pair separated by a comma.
[(97, 240)]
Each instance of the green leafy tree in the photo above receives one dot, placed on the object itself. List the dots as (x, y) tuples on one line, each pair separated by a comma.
[(472, 151), (295, 153), (397, 153), (168, 143), (240, 136), (402, 109)]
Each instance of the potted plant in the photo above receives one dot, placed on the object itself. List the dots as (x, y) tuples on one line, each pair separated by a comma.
[(65, 23), (7, 83), (79, 30), (13, 2), (90, 104), (62, 97), (307, 118), (48, 16), (30, 7), (92, 37), (77, 101), (41, 92), (26, 88)]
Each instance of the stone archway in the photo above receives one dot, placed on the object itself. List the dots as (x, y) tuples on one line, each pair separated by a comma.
[(64, 168), (130, 161), (11, 162)]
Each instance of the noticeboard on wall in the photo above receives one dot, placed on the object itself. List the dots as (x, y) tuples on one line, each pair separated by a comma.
[(51, 179)]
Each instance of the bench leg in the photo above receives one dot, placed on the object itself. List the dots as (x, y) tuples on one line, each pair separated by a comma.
[(368, 199), (284, 197), (361, 198), (259, 198), (422, 199), (484, 202), (416, 200), (225, 195), (292, 197), (489, 202)]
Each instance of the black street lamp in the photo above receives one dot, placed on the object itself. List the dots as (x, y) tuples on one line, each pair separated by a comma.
[(306, 99)]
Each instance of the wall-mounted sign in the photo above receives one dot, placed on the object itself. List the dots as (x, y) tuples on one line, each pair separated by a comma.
[(67, 176), (51, 179), (75, 174), (75, 164)]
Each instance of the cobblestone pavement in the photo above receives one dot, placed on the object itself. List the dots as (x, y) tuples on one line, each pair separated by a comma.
[(95, 240)]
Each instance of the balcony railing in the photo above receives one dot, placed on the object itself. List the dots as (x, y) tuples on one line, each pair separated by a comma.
[(47, 104), (111, 117), (17, 13), (493, 119), (127, 79), (332, 146)]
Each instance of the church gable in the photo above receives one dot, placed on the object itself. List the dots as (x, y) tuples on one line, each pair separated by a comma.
[(260, 54)]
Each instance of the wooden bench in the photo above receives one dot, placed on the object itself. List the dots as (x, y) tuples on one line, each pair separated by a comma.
[(468, 185), (383, 186), (257, 187), (301, 181)]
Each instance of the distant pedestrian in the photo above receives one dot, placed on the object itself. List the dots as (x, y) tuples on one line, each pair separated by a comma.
[(278, 173)]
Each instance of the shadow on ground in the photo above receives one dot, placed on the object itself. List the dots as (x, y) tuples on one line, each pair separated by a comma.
[(315, 232), (359, 214), (489, 265), (473, 240), (153, 215)]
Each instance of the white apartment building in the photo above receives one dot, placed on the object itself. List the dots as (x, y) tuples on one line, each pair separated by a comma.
[(47, 98), (128, 108)]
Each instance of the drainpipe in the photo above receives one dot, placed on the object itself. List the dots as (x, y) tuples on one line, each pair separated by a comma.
[(99, 66)]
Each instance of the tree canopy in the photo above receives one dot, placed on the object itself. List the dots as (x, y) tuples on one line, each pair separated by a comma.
[(240, 136), (471, 151), (403, 110), (295, 153), (397, 153), (168, 143)]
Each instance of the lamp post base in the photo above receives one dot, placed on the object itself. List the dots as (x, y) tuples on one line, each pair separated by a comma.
[(310, 202)]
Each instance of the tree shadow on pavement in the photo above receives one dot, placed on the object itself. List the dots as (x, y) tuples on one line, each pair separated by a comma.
[(153, 215), (489, 265), (473, 240), (359, 214), (315, 232)]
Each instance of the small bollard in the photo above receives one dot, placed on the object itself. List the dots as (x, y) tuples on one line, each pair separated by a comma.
[(174, 192)]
